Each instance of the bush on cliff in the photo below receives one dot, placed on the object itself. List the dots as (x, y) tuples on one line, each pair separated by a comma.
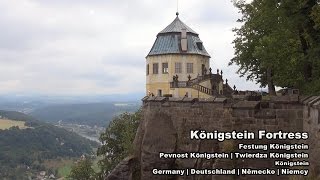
[(117, 141), (82, 171)]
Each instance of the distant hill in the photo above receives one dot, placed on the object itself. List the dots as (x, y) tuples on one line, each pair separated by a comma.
[(14, 115), (26, 102), (22, 151), (91, 114)]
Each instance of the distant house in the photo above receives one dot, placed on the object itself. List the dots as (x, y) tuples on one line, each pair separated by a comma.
[(42, 173), (52, 176)]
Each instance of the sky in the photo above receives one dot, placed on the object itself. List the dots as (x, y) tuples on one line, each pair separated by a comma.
[(81, 47)]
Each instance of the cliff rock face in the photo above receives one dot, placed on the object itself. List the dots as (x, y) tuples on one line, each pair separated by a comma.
[(122, 171), (167, 124)]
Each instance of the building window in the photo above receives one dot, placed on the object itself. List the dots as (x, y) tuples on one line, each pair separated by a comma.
[(165, 69), (178, 68), (203, 67), (189, 68), (147, 69), (155, 68)]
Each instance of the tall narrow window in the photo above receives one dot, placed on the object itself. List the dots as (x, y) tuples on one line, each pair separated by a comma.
[(147, 70), (178, 68), (155, 68), (189, 68), (203, 67), (165, 69)]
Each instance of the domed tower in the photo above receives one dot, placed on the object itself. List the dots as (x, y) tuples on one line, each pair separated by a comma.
[(178, 65)]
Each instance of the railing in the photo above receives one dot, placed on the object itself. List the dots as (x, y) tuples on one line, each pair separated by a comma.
[(227, 88), (203, 89), (185, 84), (195, 83)]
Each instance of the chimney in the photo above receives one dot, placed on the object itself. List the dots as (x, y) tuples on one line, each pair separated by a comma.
[(184, 42)]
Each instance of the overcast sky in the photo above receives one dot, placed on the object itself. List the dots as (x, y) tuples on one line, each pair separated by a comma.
[(66, 47)]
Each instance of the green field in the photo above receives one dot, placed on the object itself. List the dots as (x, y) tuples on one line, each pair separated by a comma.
[(95, 165), (65, 167), (62, 165), (65, 170), (6, 124)]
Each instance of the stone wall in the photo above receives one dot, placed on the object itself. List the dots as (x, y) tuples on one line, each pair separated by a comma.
[(167, 124), (311, 124)]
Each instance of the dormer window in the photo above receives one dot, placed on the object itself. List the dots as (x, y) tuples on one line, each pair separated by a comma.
[(199, 45)]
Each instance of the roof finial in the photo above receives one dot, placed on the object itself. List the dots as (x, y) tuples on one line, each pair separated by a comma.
[(177, 8)]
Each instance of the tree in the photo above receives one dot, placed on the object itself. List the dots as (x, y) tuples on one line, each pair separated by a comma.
[(82, 171), (253, 39), (316, 16), (278, 43), (117, 141)]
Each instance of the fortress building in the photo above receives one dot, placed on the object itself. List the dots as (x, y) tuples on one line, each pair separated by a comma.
[(178, 65)]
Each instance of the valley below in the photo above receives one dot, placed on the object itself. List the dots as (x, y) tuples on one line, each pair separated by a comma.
[(88, 132), (42, 140)]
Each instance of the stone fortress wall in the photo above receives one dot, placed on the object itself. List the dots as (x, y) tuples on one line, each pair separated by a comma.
[(167, 123)]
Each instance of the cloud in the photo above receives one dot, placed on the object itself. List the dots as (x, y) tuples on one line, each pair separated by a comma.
[(99, 47)]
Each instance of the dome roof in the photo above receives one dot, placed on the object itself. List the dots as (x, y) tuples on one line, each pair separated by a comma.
[(169, 41)]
